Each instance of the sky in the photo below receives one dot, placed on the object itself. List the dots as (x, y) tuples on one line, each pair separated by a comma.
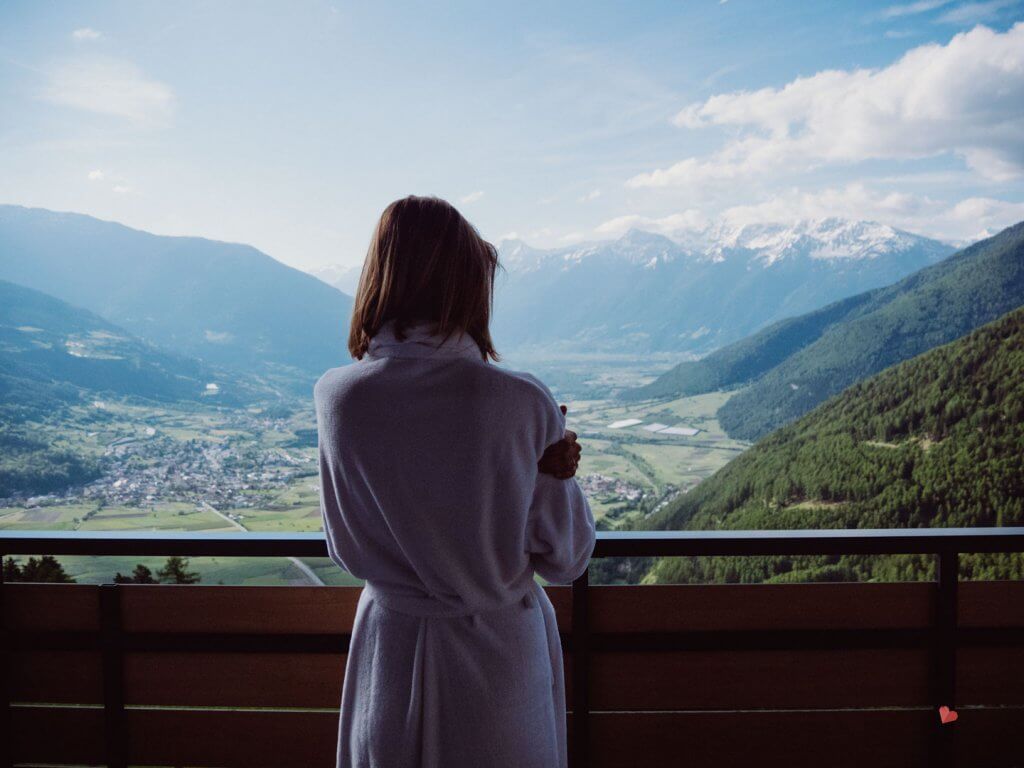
[(291, 125)]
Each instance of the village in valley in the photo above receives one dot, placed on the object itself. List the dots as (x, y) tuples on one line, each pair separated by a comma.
[(207, 468)]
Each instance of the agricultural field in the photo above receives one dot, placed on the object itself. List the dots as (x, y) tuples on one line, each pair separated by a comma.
[(209, 469)]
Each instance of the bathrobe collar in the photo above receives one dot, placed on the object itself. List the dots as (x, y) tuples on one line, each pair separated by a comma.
[(421, 340)]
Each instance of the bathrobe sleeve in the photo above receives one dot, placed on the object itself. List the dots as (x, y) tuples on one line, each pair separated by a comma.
[(560, 526)]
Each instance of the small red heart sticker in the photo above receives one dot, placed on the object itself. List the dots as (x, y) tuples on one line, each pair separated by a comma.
[(947, 715)]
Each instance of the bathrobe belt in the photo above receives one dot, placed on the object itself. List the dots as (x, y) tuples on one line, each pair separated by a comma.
[(426, 605)]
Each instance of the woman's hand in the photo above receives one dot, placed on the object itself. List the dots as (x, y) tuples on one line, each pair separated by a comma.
[(562, 458)]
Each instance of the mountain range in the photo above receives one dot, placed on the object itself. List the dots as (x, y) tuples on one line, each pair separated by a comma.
[(791, 366), (224, 304), (697, 291)]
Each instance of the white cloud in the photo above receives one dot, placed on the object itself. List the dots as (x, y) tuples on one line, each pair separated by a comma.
[(591, 195), (972, 13), (86, 33), (965, 98), (110, 87), (910, 9), (472, 197), (96, 175), (121, 189), (690, 219)]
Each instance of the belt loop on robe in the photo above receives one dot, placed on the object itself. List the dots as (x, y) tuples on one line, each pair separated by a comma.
[(431, 607)]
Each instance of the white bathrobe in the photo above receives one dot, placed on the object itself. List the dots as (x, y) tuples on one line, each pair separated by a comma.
[(431, 494)]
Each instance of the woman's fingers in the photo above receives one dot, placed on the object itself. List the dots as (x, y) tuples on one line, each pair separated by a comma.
[(561, 459)]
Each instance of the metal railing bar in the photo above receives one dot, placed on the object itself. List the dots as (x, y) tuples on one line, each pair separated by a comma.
[(609, 543)]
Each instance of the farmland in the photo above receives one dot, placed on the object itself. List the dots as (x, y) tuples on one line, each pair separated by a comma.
[(206, 469)]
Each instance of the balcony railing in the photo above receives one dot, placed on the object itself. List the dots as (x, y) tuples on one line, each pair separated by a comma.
[(835, 674)]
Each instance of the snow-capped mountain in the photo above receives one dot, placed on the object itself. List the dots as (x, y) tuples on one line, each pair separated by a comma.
[(696, 290), (831, 238)]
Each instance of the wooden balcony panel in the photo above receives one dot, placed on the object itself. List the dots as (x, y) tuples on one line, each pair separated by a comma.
[(250, 610), (674, 608), (561, 599), (989, 738), (51, 607), (992, 677), (60, 677), (723, 680), (259, 610), (990, 604), (226, 739), (234, 679), (57, 735), (880, 739)]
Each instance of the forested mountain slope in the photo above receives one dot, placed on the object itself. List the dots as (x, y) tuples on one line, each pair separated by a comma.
[(935, 441)]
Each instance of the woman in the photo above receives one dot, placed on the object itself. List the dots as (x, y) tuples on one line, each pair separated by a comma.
[(435, 488)]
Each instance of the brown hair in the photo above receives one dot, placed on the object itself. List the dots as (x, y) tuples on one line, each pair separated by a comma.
[(425, 263)]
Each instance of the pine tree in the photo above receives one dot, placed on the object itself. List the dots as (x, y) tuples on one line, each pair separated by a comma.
[(45, 569), (141, 575), (174, 572)]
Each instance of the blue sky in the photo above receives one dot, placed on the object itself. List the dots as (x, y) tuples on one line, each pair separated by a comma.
[(290, 125)]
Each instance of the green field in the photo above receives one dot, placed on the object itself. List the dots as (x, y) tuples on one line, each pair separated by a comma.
[(266, 462)]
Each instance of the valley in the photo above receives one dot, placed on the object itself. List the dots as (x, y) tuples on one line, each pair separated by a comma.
[(203, 468)]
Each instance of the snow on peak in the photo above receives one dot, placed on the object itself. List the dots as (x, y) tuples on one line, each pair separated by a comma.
[(826, 239)]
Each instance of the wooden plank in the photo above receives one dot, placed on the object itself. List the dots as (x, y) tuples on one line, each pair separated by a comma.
[(64, 677), (880, 739), (989, 738), (561, 599), (256, 610), (991, 604), (51, 607), (668, 608), (758, 679), (992, 676), (234, 679), (259, 610), (225, 739), (57, 735)]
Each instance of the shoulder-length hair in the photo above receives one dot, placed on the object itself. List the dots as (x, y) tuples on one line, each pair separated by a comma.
[(425, 263)]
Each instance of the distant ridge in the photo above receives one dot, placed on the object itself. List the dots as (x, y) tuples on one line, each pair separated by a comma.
[(223, 303)]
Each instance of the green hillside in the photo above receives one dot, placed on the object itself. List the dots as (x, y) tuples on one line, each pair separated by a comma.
[(935, 441), (748, 358), (799, 363), (52, 352)]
